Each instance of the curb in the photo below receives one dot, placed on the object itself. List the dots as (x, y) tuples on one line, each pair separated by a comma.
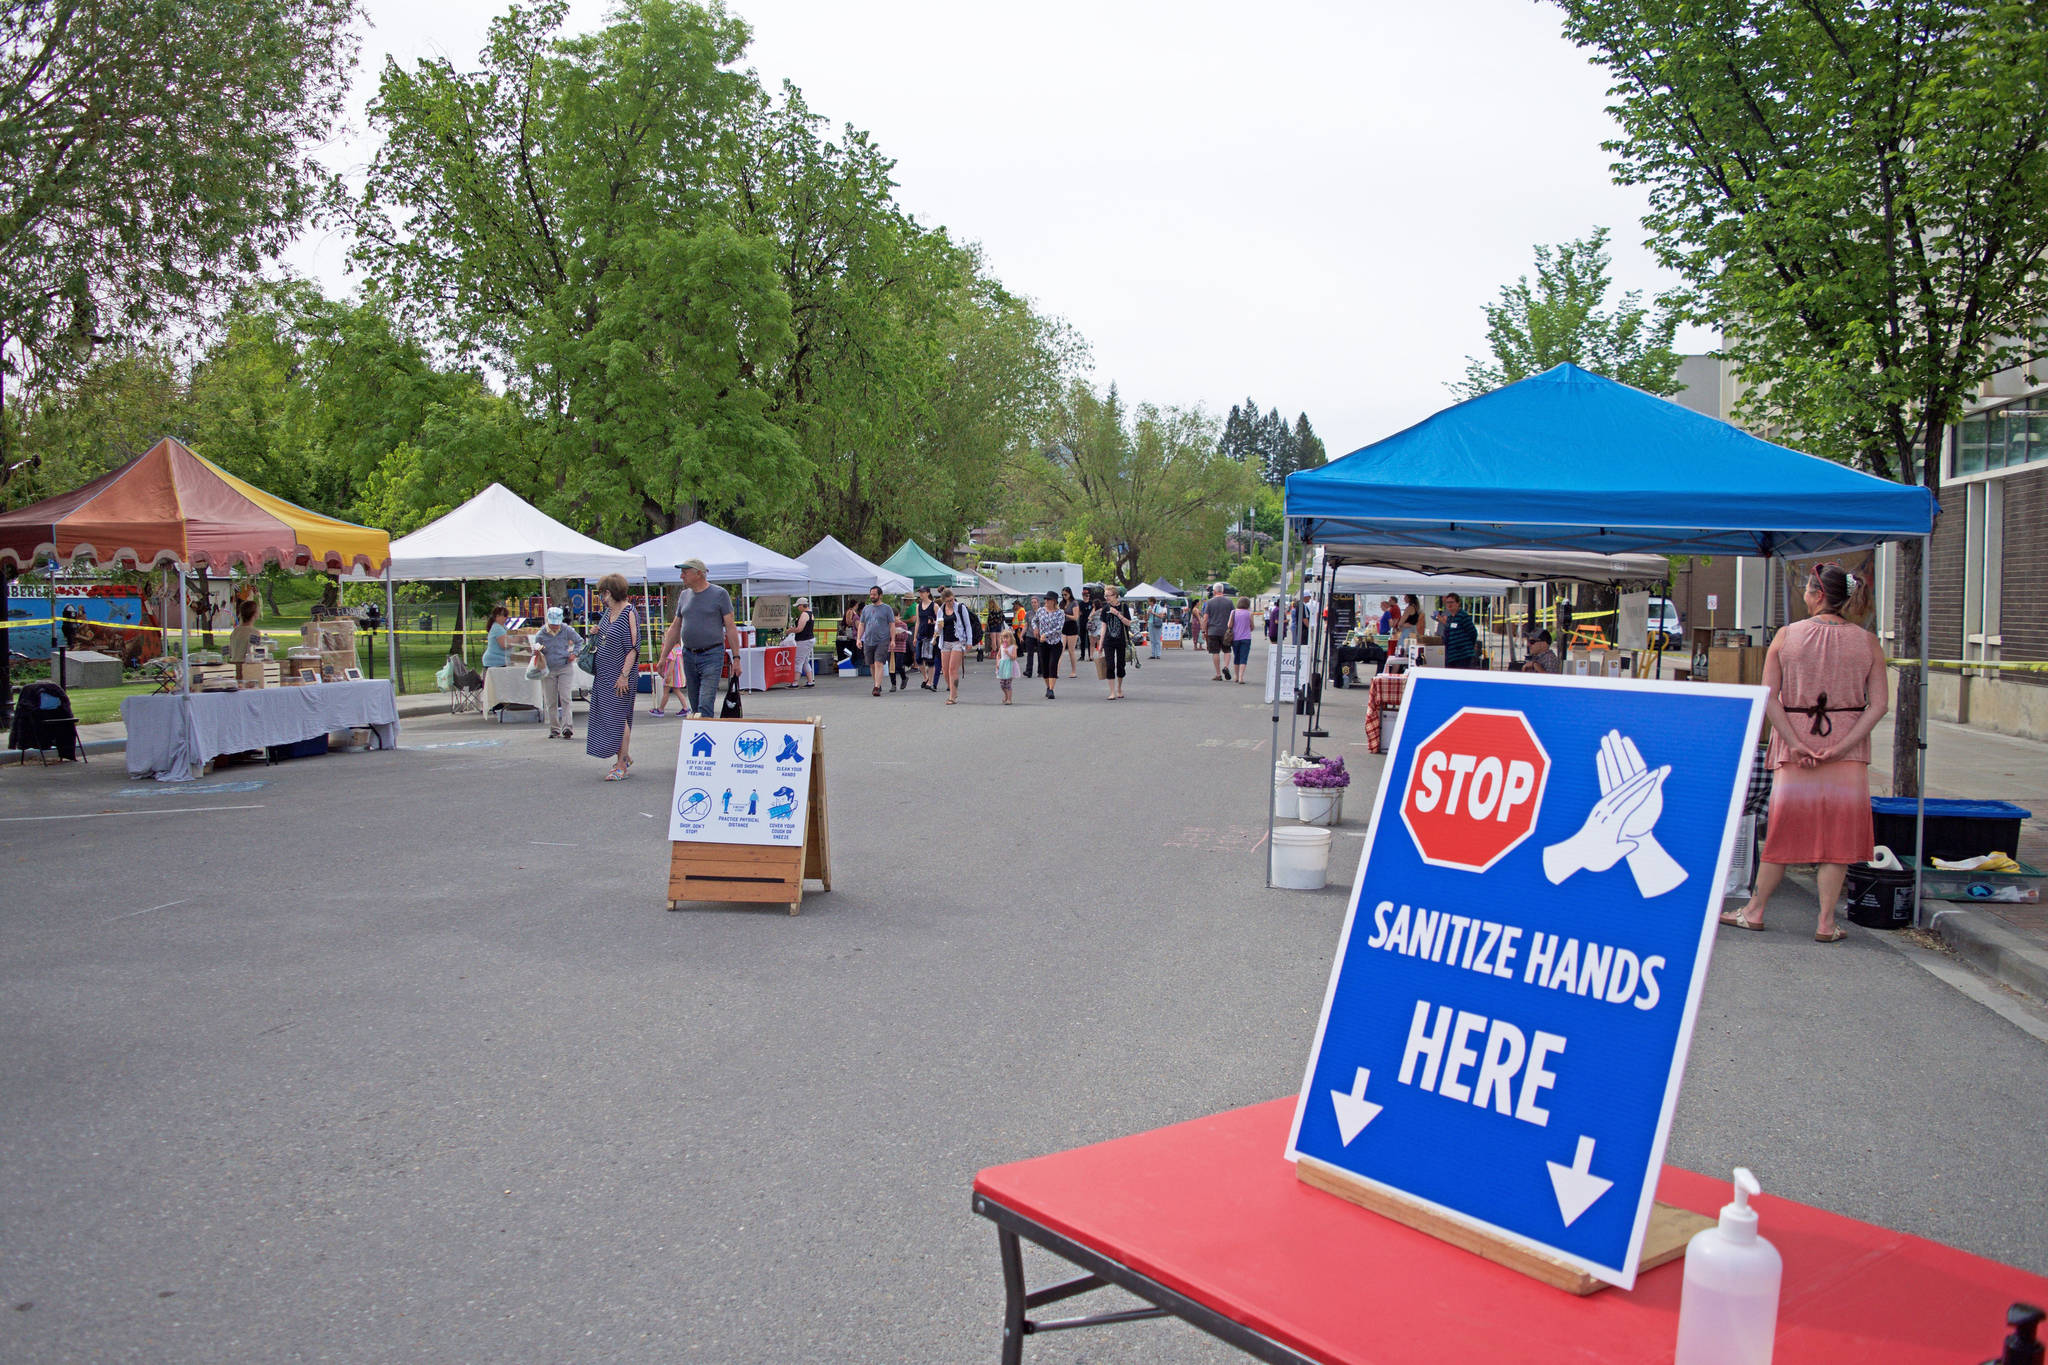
[(1994, 948), (92, 748)]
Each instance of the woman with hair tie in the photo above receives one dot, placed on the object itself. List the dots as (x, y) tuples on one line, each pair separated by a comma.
[(1828, 691)]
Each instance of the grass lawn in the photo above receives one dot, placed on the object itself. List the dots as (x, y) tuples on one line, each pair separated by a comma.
[(97, 705)]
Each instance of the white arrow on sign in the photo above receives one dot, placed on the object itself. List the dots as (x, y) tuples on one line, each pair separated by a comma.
[(1575, 1185), (1354, 1110)]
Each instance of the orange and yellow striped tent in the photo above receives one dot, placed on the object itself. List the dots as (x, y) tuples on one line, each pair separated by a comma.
[(169, 507)]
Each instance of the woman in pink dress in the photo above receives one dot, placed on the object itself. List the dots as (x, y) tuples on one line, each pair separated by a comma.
[(1828, 690)]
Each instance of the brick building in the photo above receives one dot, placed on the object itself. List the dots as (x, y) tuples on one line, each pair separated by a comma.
[(1989, 561)]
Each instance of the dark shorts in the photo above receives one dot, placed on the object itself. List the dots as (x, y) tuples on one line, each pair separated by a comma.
[(1219, 644), (875, 652)]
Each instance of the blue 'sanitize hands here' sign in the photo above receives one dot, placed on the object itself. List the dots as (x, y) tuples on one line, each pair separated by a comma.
[(1513, 996)]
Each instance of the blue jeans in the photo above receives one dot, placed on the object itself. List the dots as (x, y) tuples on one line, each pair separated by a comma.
[(701, 668)]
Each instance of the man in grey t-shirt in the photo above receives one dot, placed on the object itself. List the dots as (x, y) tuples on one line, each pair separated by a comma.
[(707, 632), (877, 621), (1216, 628)]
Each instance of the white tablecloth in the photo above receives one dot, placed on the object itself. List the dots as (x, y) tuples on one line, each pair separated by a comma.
[(174, 736), (509, 686)]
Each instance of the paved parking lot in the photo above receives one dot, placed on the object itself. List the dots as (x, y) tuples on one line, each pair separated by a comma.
[(398, 1056)]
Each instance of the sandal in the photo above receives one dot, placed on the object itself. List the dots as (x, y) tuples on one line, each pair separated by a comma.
[(1734, 919), (878, 691), (1836, 937), (617, 774)]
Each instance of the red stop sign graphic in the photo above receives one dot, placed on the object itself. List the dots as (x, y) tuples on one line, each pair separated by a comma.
[(1474, 789)]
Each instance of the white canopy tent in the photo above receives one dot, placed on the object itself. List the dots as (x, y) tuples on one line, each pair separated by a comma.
[(832, 570), (727, 558), (1505, 565), (984, 586), (1365, 578), (1145, 592), (498, 534)]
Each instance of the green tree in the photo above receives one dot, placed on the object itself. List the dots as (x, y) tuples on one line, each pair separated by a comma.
[(1563, 318), (151, 154), (1858, 193), (1253, 577), (565, 216), (1148, 486)]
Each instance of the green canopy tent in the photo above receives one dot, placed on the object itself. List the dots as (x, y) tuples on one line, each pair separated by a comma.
[(912, 561)]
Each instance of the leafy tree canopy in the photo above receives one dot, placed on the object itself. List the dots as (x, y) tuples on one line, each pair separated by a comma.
[(1563, 318)]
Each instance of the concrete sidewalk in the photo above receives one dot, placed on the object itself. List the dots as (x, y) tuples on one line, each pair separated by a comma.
[(2008, 943)]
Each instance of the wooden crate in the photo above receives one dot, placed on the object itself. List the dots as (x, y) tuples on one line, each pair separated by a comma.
[(259, 673)]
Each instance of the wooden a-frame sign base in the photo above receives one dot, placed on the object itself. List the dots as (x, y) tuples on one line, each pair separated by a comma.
[(1664, 1240), (754, 873)]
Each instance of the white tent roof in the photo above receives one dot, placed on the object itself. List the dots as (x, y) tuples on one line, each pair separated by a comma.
[(834, 570), (1518, 566), (1365, 578), (984, 586), (727, 558), (498, 534), (1145, 592)]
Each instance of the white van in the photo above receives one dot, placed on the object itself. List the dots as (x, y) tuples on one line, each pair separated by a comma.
[(1664, 617)]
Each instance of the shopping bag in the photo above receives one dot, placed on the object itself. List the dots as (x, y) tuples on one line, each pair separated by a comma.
[(731, 709), (1101, 667)]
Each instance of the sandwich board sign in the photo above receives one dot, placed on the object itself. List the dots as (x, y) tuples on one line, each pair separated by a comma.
[(746, 819), (1513, 996)]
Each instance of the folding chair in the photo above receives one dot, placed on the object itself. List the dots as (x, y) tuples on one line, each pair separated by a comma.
[(466, 690)]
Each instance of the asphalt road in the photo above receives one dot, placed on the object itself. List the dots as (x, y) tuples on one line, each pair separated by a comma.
[(399, 1057)]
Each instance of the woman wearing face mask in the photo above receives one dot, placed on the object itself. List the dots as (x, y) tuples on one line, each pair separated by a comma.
[(555, 647)]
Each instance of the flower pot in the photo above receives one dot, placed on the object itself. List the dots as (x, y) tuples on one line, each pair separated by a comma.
[(1301, 858), (1320, 805)]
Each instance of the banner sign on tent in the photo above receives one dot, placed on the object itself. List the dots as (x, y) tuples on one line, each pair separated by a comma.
[(1508, 1015)]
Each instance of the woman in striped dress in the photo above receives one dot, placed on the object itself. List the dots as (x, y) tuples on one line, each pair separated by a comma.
[(615, 680)]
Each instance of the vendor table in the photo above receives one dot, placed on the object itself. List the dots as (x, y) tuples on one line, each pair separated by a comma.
[(509, 686), (174, 736), (1384, 696), (1207, 1221), (771, 665)]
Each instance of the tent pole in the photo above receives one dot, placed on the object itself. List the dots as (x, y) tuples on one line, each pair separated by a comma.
[(1920, 744), (184, 631), (462, 618), (1286, 547), (57, 660), (390, 629)]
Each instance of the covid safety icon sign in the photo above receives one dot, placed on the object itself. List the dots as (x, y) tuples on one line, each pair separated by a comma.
[(1508, 1015)]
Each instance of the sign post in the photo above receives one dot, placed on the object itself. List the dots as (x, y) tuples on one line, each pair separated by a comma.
[(747, 817), (1508, 1016)]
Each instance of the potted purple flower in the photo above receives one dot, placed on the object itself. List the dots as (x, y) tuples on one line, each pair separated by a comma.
[(1320, 791)]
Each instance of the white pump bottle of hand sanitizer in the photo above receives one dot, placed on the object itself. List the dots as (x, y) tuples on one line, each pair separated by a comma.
[(1729, 1313)]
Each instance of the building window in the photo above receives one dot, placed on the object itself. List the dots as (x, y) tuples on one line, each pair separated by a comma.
[(1970, 434)]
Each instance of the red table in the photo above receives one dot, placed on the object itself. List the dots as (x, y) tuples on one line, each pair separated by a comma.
[(1206, 1220), (1385, 696)]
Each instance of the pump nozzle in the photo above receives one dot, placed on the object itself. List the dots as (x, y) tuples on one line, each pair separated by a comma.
[(1738, 1220), (2023, 1346)]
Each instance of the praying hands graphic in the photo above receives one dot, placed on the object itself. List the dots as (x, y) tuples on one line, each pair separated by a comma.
[(1621, 823)]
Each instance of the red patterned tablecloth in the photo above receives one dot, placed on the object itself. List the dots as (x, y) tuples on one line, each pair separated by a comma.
[(1385, 696)]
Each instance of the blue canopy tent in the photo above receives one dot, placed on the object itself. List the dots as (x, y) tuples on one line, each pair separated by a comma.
[(1567, 460)]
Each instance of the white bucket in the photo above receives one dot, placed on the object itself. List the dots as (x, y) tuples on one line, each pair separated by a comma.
[(1320, 805), (1301, 857), (1286, 798)]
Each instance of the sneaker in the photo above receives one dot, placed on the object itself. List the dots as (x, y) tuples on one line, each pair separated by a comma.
[(568, 734), (1048, 694), (554, 733)]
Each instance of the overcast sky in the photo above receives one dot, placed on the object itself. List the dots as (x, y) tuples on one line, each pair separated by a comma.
[(1305, 203)]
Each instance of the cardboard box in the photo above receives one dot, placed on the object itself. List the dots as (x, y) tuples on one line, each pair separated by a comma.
[(1745, 665)]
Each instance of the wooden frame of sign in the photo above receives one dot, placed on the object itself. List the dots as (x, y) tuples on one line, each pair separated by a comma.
[(750, 873), (1664, 1240)]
